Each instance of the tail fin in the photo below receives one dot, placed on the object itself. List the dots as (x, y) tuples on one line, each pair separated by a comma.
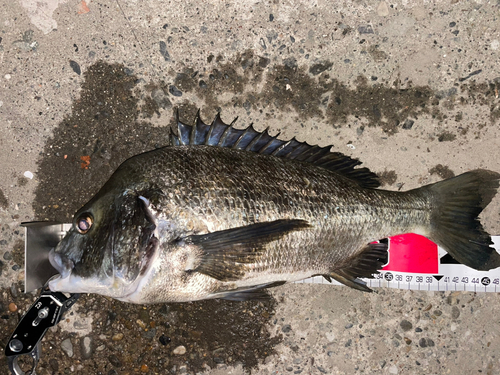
[(455, 225)]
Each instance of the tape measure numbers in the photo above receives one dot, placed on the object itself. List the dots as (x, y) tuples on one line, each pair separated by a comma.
[(416, 263)]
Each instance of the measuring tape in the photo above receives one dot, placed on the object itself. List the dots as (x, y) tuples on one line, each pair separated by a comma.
[(416, 263)]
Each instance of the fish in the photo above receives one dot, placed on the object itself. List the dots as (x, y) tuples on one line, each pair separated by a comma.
[(228, 213)]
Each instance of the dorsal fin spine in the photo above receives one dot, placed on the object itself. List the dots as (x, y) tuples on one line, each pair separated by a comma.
[(318, 154), (192, 135), (174, 141), (268, 144), (198, 119), (222, 135), (179, 127), (279, 148), (255, 140), (209, 134), (242, 136), (303, 145)]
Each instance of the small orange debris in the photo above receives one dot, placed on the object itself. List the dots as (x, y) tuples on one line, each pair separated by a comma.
[(65, 156), (83, 8), (144, 368), (85, 162), (12, 307)]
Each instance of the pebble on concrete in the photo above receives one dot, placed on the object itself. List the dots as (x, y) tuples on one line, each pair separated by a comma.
[(405, 325), (67, 347), (86, 347), (180, 350)]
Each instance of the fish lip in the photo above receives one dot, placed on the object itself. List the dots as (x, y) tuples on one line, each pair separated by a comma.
[(63, 266), (53, 282)]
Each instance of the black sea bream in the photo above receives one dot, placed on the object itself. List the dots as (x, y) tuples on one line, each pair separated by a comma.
[(226, 213)]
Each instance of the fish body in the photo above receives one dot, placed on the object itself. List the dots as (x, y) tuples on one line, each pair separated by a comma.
[(226, 213)]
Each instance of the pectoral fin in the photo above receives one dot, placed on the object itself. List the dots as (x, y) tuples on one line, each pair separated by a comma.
[(225, 253)]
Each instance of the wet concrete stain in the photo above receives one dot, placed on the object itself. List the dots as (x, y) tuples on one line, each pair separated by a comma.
[(442, 171), (291, 87), (105, 128), (387, 107), (312, 92), (446, 136), (18, 253), (309, 92), (387, 177), (377, 54), (22, 181), (4, 203), (109, 123), (226, 77), (483, 93)]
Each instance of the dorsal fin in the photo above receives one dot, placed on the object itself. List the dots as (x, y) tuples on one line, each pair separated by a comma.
[(223, 135)]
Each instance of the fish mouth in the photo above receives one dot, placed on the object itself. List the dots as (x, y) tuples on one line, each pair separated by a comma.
[(63, 265), (59, 283), (115, 286)]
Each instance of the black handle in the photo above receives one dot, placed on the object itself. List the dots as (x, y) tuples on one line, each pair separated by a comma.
[(45, 312)]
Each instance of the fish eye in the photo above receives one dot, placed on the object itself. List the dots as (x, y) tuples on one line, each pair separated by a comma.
[(84, 223)]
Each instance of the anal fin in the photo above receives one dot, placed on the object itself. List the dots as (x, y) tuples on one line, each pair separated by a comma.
[(366, 263)]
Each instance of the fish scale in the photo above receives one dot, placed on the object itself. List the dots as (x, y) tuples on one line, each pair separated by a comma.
[(225, 213)]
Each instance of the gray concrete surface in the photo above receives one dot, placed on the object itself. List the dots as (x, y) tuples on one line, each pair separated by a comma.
[(409, 87)]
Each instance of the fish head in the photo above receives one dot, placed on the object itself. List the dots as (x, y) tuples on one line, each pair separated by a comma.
[(109, 248)]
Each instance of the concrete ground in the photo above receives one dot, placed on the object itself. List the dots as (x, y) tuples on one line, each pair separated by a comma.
[(409, 87)]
